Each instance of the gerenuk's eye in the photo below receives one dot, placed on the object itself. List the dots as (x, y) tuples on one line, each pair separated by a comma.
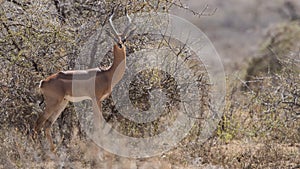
[(120, 45)]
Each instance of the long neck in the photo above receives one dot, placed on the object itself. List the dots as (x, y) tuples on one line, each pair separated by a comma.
[(117, 70)]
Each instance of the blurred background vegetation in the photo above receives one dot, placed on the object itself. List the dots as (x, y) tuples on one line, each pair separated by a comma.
[(260, 127)]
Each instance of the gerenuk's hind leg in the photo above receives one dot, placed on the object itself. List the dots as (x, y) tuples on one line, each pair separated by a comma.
[(49, 122)]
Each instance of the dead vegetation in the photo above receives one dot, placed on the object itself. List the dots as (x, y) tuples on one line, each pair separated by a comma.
[(260, 126)]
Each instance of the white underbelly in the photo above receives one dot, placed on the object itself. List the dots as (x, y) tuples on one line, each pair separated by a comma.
[(77, 99)]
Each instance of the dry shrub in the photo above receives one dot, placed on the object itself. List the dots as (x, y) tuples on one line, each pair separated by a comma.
[(272, 88), (282, 45), (152, 79), (259, 129), (260, 124)]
